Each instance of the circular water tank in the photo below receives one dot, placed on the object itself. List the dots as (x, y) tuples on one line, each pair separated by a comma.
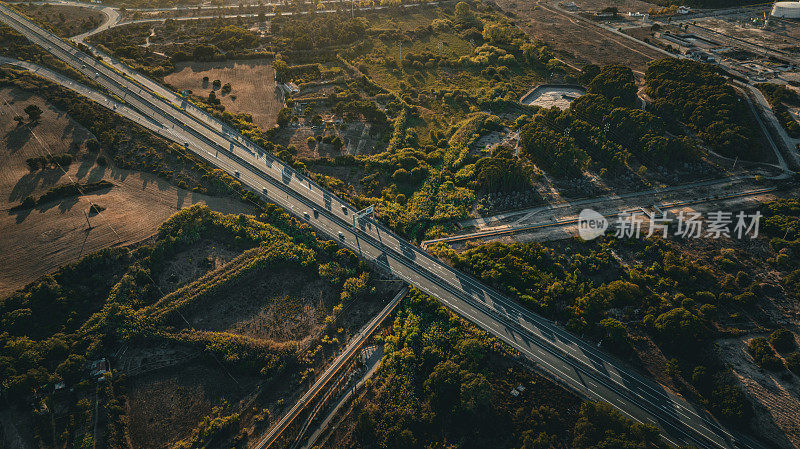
[(786, 10)]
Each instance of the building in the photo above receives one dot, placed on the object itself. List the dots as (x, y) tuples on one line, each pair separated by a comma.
[(683, 10), (786, 10)]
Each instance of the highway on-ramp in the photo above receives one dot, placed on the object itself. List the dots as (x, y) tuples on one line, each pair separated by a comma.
[(561, 355)]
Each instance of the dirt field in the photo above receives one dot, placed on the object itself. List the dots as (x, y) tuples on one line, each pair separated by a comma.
[(776, 399), (277, 307), (66, 21), (39, 240), (166, 405), (253, 86), (624, 6), (584, 42)]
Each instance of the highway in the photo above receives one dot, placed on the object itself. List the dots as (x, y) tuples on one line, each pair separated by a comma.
[(562, 356)]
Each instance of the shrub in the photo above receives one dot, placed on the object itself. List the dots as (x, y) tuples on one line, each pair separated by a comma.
[(782, 340), (763, 354), (793, 362)]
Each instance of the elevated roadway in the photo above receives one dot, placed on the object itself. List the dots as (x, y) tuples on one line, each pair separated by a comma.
[(564, 357)]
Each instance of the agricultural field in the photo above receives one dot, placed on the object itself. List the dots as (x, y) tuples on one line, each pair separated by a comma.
[(252, 86), (134, 203)]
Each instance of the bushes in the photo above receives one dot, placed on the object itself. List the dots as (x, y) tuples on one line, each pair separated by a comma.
[(763, 354), (779, 96), (782, 340), (793, 362), (64, 191), (552, 152), (694, 93)]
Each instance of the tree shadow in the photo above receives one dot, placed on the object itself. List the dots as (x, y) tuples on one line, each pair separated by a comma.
[(17, 137), (96, 174), (87, 162), (30, 181)]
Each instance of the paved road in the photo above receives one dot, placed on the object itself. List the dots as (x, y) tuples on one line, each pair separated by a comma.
[(564, 357), (609, 211)]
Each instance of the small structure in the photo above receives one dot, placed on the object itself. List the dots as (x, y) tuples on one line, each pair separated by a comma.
[(683, 10), (98, 367), (292, 87), (553, 95), (786, 10), (289, 88), (570, 6)]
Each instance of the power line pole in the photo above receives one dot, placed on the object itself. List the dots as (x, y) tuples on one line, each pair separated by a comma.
[(86, 214)]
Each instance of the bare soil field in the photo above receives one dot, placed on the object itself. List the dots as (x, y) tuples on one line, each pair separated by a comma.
[(254, 90), (776, 398), (193, 263), (780, 34), (65, 20), (278, 307), (577, 42), (166, 405), (39, 240), (624, 6)]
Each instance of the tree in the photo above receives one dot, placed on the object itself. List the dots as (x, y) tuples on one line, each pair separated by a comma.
[(204, 52), (464, 15), (476, 393), (34, 112), (588, 73), (71, 369), (782, 340), (793, 362), (551, 151), (284, 116), (365, 429), (615, 82), (613, 10), (444, 386), (680, 328), (600, 426)]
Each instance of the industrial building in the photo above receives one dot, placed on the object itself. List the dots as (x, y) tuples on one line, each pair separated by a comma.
[(786, 10)]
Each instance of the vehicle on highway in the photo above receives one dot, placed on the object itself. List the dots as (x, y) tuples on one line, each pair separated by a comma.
[(341, 236), (236, 173)]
